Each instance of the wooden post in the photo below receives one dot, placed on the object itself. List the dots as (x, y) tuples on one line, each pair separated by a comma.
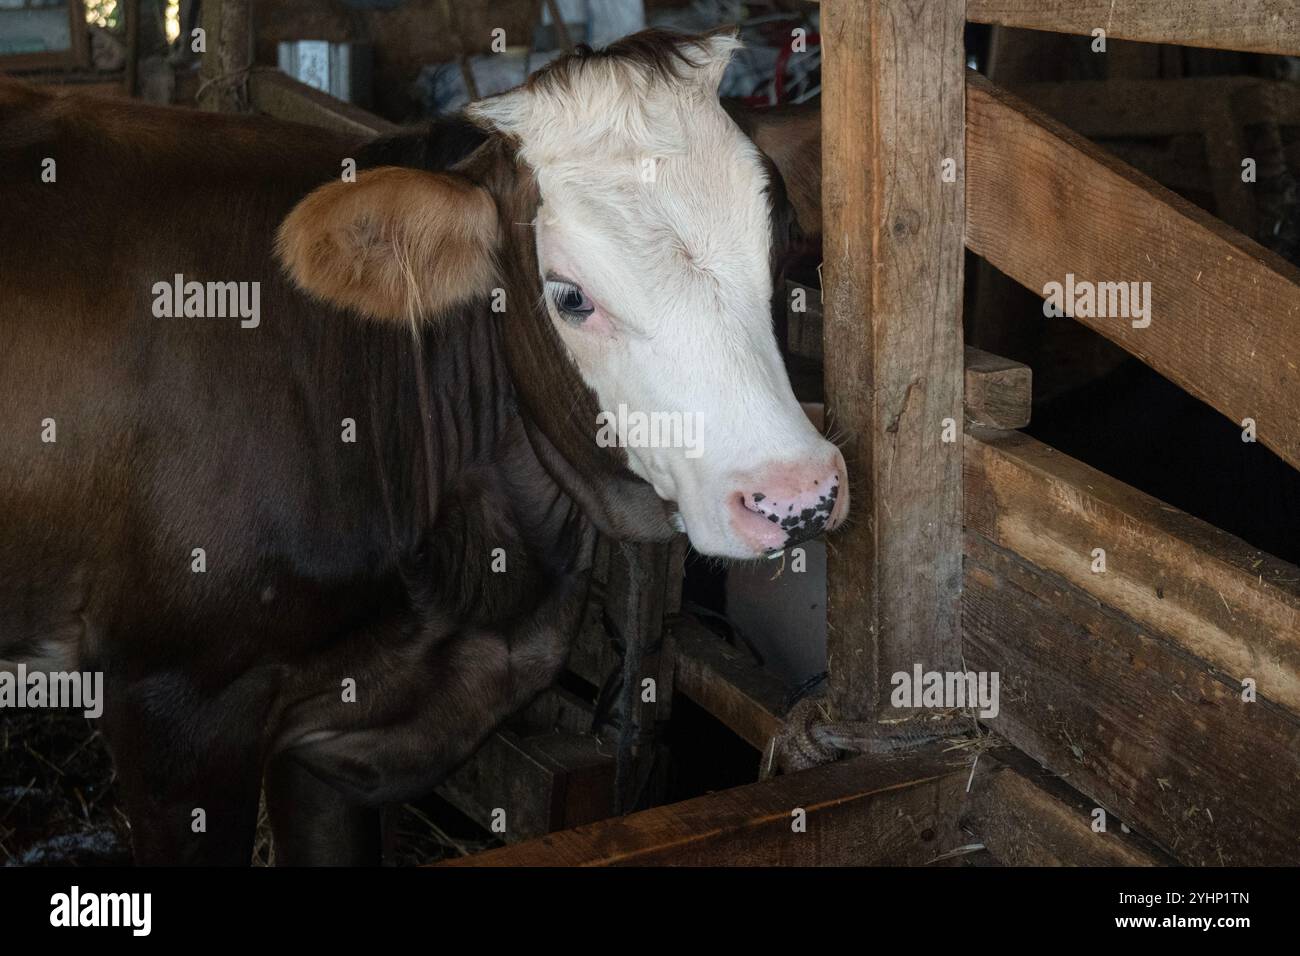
[(893, 202), (131, 9), (228, 56)]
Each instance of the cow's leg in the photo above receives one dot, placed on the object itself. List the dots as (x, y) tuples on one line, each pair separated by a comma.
[(188, 768), (420, 714), (314, 824)]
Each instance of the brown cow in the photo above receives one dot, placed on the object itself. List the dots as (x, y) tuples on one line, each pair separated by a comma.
[(310, 465)]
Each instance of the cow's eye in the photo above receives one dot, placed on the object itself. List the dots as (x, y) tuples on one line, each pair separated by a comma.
[(569, 300)]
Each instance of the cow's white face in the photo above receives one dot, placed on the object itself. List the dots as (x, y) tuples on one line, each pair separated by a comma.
[(653, 240), (654, 244)]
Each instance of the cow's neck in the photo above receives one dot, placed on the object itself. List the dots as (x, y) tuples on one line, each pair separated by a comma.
[(488, 526)]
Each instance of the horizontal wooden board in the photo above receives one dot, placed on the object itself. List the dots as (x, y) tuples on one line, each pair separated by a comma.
[(1127, 717), (1260, 26), (1233, 606), (1025, 816), (277, 94), (867, 810), (746, 698), (1225, 313)]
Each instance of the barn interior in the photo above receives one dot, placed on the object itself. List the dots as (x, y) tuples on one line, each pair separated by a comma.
[(770, 672)]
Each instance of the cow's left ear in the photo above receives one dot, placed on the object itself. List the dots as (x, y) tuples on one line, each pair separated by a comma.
[(395, 244)]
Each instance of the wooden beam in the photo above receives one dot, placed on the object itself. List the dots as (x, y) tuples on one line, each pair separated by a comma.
[(726, 683), (542, 783), (892, 122), (888, 811), (131, 12), (223, 73), (1231, 605), (1042, 202), (279, 95), (1126, 716), (1026, 816), (999, 392), (1259, 26)]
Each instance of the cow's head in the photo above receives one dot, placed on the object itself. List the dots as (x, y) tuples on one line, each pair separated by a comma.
[(626, 225)]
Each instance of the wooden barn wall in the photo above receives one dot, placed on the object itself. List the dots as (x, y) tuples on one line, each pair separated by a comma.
[(1175, 710)]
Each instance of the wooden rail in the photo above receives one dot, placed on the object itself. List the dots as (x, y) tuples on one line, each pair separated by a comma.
[(1231, 605), (1260, 26), (1042, 202), (1026, 816), (749, 700), (1128, 717), (1129, 682), (277, 94), (865, 811)]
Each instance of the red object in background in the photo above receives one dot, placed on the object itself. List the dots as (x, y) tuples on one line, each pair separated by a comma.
[(780, 36)]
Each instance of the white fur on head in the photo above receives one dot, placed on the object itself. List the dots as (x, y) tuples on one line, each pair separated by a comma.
[(656, 205), (632, 98)]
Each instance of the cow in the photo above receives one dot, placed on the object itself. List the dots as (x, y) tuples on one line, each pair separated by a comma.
[(301, 434)]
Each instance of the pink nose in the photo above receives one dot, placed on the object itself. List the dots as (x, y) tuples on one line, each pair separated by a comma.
[(788, 503)]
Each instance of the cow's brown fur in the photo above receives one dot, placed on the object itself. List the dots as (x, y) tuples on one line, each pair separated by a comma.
[(326, 561)]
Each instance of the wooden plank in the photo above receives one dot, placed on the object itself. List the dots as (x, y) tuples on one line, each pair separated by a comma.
[(1042, 202), (1231, 605), (1128, 718), (892, 115), (726, 683), (1259, 26), (542, 783), (999, 392), (868, 810), (1026, 817), (276, 94)]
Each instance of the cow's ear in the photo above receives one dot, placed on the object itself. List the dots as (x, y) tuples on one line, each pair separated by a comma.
[(396, 244)]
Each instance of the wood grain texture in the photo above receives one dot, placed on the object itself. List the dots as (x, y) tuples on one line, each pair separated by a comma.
[(892, 113), (1233, 606), (1225, 312), (1130, 719), (869, 810), (228, 41), (1024, 816), (1261, 26), (999, 392)]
